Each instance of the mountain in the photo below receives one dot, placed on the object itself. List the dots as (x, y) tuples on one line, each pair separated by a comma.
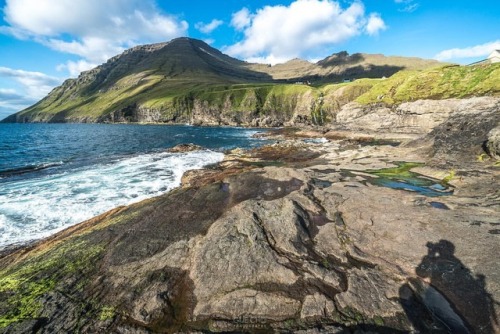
[(186, 80), (342, 66)]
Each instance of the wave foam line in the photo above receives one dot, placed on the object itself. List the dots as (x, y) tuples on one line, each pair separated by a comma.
[(35, 208)]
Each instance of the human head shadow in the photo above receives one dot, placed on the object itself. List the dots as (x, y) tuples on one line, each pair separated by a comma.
[(446, 297)]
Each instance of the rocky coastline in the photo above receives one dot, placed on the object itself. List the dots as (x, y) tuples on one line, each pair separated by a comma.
[(384, 220)]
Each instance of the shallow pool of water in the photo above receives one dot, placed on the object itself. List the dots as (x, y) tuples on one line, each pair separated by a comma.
[(401, 177)]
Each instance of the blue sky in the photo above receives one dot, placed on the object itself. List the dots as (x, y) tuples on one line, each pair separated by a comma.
[(43, 42)]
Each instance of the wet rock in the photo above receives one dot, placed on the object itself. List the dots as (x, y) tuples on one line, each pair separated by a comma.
[(181, 148)]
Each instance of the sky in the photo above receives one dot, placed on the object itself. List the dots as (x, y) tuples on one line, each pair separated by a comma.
[(44, 42)]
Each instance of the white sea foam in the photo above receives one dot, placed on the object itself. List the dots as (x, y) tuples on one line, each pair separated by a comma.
[(34, 208)]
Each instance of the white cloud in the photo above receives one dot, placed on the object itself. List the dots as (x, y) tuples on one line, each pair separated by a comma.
[(75, 67), (269, 59), (409, 5), (482, 50), (37, 84), (11, 99), (208, 27), (92, 29), (7, 93), (410, 8), (375, 24), (241, 19), (285, 32), (93, 49)]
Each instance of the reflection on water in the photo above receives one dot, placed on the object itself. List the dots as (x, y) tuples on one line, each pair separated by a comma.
[(401, 177)]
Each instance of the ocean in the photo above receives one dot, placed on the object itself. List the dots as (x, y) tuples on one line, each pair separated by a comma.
[(53, 176)]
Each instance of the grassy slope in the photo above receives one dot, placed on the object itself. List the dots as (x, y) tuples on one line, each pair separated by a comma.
[(438, 83)]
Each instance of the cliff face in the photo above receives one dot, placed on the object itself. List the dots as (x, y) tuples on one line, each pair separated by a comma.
[(265, 106)]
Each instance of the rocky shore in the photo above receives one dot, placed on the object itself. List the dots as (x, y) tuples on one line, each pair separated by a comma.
[(382, 221)]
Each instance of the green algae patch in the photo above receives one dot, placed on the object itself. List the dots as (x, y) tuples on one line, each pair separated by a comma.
[(447, 179), (403, 170), (23, 286), (107, 312), (401, 177), (23, 300)]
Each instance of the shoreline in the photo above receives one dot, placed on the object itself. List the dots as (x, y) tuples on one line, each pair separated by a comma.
[(173, 182), (8, 249)]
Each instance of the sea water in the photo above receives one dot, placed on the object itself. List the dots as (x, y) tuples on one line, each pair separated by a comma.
[(53, 176)]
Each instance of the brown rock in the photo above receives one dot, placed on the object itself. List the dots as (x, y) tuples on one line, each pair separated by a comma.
[(181, 148)]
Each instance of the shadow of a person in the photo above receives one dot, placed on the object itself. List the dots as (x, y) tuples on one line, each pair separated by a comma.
[(446, 297)]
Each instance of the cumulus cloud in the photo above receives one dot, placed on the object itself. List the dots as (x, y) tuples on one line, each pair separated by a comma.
[(37, 84), (92, 49), (482, 50), (76, 67), (92, 29), (207, 28), (268, 59), (11, 101), (285, 32), (375, 24), (11, 98), (241, 19)]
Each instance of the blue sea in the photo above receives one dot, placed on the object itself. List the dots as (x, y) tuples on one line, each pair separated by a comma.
[(53, 176)]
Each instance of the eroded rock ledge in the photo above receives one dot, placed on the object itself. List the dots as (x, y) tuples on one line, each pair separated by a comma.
[(294, 237)]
